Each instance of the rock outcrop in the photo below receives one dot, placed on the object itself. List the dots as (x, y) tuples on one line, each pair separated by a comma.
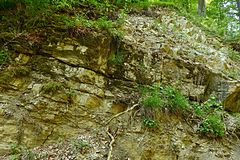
[(68, 86), (232, 102)]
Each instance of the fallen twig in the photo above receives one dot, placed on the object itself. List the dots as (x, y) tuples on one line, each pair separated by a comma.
[(121, 113)]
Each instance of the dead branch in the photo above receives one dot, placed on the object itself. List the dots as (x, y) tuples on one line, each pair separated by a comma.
[(121, 113)]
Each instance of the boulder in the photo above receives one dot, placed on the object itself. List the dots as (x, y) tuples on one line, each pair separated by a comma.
[(232, 101)]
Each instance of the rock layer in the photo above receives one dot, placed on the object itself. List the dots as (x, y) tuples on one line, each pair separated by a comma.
[(70, 86), (232, 102)]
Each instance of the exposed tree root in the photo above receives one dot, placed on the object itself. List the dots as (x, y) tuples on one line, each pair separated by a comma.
[(121, 113), (110, 144), (111, 135)]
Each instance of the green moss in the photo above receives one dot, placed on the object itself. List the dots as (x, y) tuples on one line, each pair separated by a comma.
[(234, 55), (9, 74), (70, 94), (21, 71), (51, 87), (116, 59), (6, 77), (4, 57)]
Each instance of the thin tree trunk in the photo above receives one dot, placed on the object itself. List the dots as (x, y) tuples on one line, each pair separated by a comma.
[(238, 7), (201, 7)]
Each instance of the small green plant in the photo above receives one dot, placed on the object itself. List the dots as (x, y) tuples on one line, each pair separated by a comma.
[(4, 57), (59, 4), (103, 23), (163, 97), (70, 93), (149, 123), (234, 73), (27, 155), (70, 96), (204, 109), (234, 55), (213, 125), (151, 97), (79, 144), (14, 157), (116, 59), (157, 97), (198, 109), (51, 87), (209, 113), (212, 103), (153, 101), (174, 99), (14, 149)]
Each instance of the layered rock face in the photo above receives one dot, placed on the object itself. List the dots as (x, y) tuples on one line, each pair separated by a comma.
[(70, 86), (49, 96), (170, 49), (232, 101)]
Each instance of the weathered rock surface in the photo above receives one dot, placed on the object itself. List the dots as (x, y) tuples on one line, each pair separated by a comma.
[(72, 86), (169, 49), (232, 102)]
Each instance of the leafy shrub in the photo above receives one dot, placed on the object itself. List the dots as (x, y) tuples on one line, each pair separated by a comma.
[(33, 6), (125, 2), (206, 108), (209, 113), (153, 101), (175, 99), (163, 97), (213, 124), (212, 103), (151, 97)]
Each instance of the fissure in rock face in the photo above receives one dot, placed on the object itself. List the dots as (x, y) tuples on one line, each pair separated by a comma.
[(72, 86)]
